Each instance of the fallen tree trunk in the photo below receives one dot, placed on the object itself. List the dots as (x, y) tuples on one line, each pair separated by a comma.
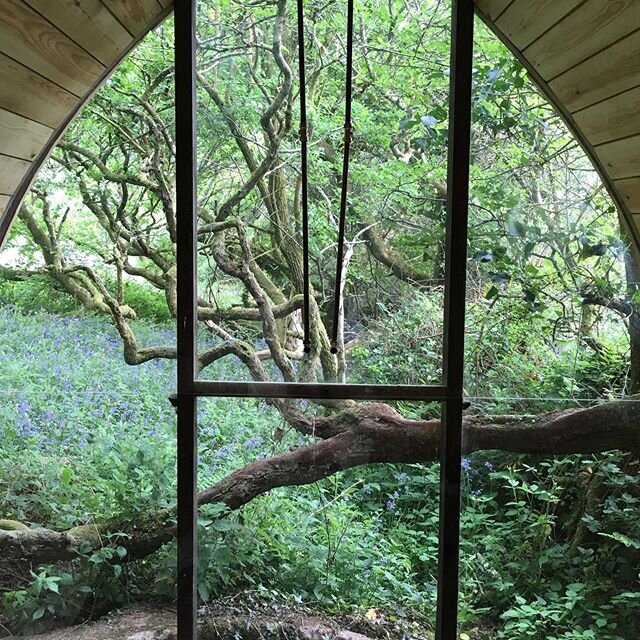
[(367, 434)]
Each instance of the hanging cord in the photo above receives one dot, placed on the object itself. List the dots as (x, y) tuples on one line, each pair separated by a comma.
[(306, 311), (345, 174)]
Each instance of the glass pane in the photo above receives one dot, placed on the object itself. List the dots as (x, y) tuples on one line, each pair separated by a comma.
[(87, 360), (550, 482), (301, 544), (249, 182), (88, 449), (549, 542)]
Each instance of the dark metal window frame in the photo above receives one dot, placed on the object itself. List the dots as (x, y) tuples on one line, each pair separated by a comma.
[(449, 393)]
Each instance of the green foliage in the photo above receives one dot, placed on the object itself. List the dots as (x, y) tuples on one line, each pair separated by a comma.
[(540, 558), (97, 577), (148, 303), (38, 293), (537, 546), (550, 548)]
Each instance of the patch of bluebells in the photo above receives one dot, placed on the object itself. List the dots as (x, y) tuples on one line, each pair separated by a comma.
[(73, 381), (253, 443), (391, 503), (223, 452)]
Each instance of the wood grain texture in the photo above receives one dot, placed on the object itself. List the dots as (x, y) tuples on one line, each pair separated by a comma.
[(89, 23), (621, 158), (33, 41), (612, 119), (524, 20), (12, 171), (611, 71), (589, 29), (166, 3), (21, 137), (26, 93), (492, 8), (135, 15), (629, 189)]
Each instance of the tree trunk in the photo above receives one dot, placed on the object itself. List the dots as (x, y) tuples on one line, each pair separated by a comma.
[(367, 434)]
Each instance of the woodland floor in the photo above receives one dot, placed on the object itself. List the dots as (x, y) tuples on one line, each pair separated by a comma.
[(231, 623)]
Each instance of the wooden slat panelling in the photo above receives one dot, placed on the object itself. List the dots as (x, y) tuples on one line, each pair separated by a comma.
[(21, 137), (611, 71), (11, 172), (492, 8), (30, 39), (614, 118), (135, 15), (89, 23), (630, 191), (26, 93), (590, 28), (4, 201), (621, 158), (524, 20)]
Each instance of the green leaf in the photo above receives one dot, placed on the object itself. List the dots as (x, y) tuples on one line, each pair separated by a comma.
[(37, 614), (630, 543), (492, 293), (66, 475)]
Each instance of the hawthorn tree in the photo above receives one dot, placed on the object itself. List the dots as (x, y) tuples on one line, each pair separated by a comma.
[(544, 238)]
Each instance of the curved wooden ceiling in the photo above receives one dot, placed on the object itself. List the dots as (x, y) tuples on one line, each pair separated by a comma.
[(53, 55), (583, 54)]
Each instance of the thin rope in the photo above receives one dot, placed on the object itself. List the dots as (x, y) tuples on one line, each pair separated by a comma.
[(345, 174), (306, 308)]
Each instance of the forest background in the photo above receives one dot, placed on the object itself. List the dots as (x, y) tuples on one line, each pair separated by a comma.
[(551, 486)]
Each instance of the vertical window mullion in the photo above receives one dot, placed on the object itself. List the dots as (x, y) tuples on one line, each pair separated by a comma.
[(454, 314), (186, 276)]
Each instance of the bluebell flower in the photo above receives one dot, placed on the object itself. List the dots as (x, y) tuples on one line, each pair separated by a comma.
[(488, 465), (401, 477), (465, 464), (391, 505), (253, 442)]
